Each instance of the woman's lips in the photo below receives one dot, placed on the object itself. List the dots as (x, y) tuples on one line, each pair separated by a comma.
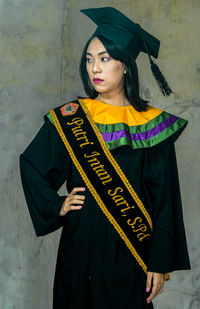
[(97, 80)]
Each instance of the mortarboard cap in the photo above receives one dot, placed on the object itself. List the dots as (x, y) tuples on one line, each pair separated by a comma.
[(116, 27)]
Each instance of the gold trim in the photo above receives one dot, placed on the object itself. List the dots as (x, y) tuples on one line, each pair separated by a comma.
[(95, 194), (119, 171), (116, 165)]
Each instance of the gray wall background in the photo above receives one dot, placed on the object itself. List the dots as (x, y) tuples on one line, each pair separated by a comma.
[(40, 47)]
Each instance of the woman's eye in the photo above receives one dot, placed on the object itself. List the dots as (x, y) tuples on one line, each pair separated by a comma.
[(105, 59), (88, 60)]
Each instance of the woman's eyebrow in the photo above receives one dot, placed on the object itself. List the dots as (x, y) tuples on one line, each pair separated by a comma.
[(101, 53)]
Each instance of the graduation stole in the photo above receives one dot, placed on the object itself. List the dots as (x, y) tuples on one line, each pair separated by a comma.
[(104, 178)]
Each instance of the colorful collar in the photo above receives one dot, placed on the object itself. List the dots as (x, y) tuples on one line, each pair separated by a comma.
[(123, 125)]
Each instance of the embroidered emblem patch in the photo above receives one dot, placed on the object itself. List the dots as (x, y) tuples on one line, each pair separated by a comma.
[(69, 109)]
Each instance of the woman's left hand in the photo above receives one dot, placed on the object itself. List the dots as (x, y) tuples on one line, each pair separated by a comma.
[(156, 281)]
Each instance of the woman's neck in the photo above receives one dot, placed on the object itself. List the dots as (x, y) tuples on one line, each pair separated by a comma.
[(117, 99)]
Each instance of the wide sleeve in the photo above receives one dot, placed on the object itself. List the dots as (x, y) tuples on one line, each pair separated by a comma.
[(168, 250), (44, 167)]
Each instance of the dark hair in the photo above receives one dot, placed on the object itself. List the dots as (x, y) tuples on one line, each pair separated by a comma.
[(131, 80)]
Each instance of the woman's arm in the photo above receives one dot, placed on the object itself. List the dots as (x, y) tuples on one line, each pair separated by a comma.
[(168, 248), (44, 167)]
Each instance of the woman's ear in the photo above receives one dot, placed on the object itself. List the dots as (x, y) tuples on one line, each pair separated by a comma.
[(124, 69)]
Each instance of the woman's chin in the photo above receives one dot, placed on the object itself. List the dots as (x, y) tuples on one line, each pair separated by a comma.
[(100, 88)]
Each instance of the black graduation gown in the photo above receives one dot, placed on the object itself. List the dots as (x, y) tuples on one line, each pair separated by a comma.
[(94, 267)]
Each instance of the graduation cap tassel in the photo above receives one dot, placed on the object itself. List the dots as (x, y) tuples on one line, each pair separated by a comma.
[(160, 79)]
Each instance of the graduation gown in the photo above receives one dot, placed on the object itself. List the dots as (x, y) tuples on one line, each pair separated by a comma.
[(94, 267)]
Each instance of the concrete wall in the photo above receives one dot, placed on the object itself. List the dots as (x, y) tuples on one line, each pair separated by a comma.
[(40, 46)]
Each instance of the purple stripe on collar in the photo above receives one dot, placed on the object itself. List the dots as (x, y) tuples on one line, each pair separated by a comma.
[(143, 135)]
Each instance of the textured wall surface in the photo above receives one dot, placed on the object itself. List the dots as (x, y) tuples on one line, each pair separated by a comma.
[(40, 47)]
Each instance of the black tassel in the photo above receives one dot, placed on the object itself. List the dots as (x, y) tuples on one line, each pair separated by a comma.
[(160, 79)]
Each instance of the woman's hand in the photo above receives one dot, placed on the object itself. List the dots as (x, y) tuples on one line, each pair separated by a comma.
[(71, 199), (156, 281)]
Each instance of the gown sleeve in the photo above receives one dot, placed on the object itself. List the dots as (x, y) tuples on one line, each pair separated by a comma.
[(168, 250), (44, 167)]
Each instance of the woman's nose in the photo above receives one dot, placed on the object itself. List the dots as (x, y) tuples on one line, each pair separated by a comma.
[(96, 67)]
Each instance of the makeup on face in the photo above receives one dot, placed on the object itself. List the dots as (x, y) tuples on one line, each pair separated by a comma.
[(105, 73), (97, 80)]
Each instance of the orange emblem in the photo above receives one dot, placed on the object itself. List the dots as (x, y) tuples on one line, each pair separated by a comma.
[(69, 109)]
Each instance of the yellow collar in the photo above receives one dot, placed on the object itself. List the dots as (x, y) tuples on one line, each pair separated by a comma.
[(109, 114)]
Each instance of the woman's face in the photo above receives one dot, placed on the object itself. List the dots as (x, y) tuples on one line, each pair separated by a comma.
[(106, 74)]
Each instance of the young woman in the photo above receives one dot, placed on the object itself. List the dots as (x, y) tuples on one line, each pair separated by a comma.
[(122, 223)]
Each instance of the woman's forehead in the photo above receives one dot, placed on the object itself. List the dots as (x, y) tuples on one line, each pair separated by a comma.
[(96, 46)]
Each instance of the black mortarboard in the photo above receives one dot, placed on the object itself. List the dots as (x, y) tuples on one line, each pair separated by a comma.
[(118, 28)]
